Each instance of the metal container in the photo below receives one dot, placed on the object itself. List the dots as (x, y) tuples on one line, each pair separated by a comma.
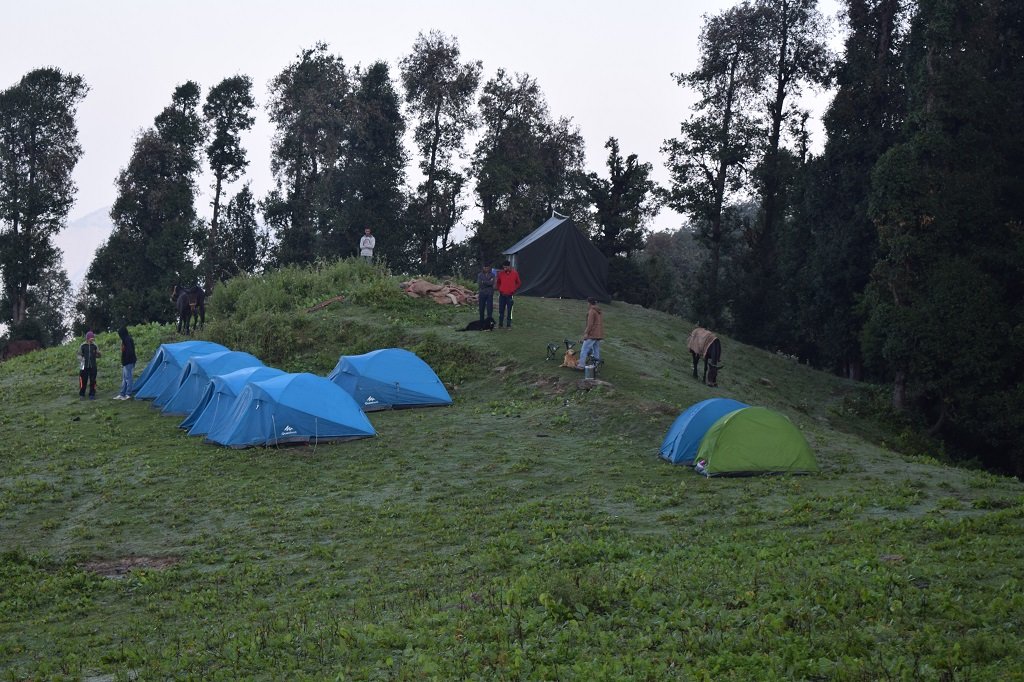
[(589, 371)]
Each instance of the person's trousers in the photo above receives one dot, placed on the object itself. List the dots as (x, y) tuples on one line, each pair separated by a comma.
[(87, 377), (126, 379), (486, 305), (590, 346), (504, 306)]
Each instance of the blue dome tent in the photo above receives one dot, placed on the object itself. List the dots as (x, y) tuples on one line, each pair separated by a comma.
[(218, 399), (389, 378), (291, 408), (195, 377), (684, 437), (166, 364)]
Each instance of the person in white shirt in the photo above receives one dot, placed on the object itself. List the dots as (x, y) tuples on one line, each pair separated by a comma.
[(366, 245)]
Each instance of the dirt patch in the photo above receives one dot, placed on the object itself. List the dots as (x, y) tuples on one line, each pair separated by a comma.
[(119, 568)]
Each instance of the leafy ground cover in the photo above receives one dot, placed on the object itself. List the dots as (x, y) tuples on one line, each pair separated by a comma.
[(527, 532)]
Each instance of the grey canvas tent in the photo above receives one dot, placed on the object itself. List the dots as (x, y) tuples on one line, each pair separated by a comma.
[(558, 261)]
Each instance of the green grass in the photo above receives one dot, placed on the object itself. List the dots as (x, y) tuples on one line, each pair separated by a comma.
[(527, 532)]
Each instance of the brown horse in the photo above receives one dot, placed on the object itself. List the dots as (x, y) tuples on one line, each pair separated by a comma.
[(704, 344)]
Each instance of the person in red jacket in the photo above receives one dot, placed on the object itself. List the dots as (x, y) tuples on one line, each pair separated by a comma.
[(507, 283)]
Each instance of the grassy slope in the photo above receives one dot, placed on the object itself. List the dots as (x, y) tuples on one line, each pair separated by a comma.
[(528, 532)]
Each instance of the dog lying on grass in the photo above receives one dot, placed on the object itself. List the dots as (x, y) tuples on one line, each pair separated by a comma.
[(478, 326), (569, 360)]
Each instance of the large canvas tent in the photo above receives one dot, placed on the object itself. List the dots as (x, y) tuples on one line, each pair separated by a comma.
[(219, 397), (195, 376), (166, 364), (389, 378), (754, 440), (291, 408), (684, 437), (558, 261)]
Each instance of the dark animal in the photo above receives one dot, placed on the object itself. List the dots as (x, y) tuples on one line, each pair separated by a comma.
[(13, 349), (478, 326), (704, 344), (191, 306)]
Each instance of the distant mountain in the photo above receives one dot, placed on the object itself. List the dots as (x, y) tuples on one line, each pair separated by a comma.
[(80, 240)]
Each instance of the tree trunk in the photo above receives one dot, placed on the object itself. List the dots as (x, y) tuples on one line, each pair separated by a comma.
[(899, 391), (723, 170), (854, 370), (19, 305), (943, 414), (428, 236), (211, 244)]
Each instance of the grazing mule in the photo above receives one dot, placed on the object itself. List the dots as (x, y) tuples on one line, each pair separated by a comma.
[(191, 306), (704, 344)]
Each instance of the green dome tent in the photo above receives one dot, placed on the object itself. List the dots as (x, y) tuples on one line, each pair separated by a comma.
[(754, 441)]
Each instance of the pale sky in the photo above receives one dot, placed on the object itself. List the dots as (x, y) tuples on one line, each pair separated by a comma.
[(605, 64)]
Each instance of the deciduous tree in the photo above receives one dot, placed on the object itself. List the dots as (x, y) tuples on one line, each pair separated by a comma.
[(372, 174), (156, 230), (792, 54), (708, 163), (309, 101), (526, 165), (39, 149), (439, 92), (228, 112)]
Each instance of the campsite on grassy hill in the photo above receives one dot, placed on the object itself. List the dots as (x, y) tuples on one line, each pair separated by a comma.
[(530, 530), (512, 341)]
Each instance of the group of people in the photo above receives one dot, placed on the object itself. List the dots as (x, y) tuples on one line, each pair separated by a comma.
[(507, 282), (89, 354)]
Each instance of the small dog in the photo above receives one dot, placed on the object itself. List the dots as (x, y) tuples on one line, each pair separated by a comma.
[(478, 326), (570, 359)]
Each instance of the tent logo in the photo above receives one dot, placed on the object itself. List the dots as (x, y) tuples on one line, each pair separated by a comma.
[(288, 430), (370, 400)]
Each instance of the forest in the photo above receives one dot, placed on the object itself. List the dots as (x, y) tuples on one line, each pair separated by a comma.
[(895, 255)]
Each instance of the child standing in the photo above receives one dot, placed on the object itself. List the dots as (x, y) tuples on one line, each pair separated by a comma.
[(88, 354), (127, 364)]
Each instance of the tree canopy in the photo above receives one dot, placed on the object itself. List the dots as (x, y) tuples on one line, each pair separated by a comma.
[(39, 149)]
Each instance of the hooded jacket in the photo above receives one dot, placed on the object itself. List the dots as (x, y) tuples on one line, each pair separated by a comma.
[(127, 346), (595, 324)]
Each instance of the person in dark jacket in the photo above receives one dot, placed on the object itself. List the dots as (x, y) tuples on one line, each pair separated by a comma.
[(485, 292), (88, 354), (127, 364)]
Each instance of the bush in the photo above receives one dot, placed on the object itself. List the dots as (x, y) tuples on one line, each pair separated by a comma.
[(30, 329)]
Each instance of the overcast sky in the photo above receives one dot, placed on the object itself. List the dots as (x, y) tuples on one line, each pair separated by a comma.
[(605, 64)]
